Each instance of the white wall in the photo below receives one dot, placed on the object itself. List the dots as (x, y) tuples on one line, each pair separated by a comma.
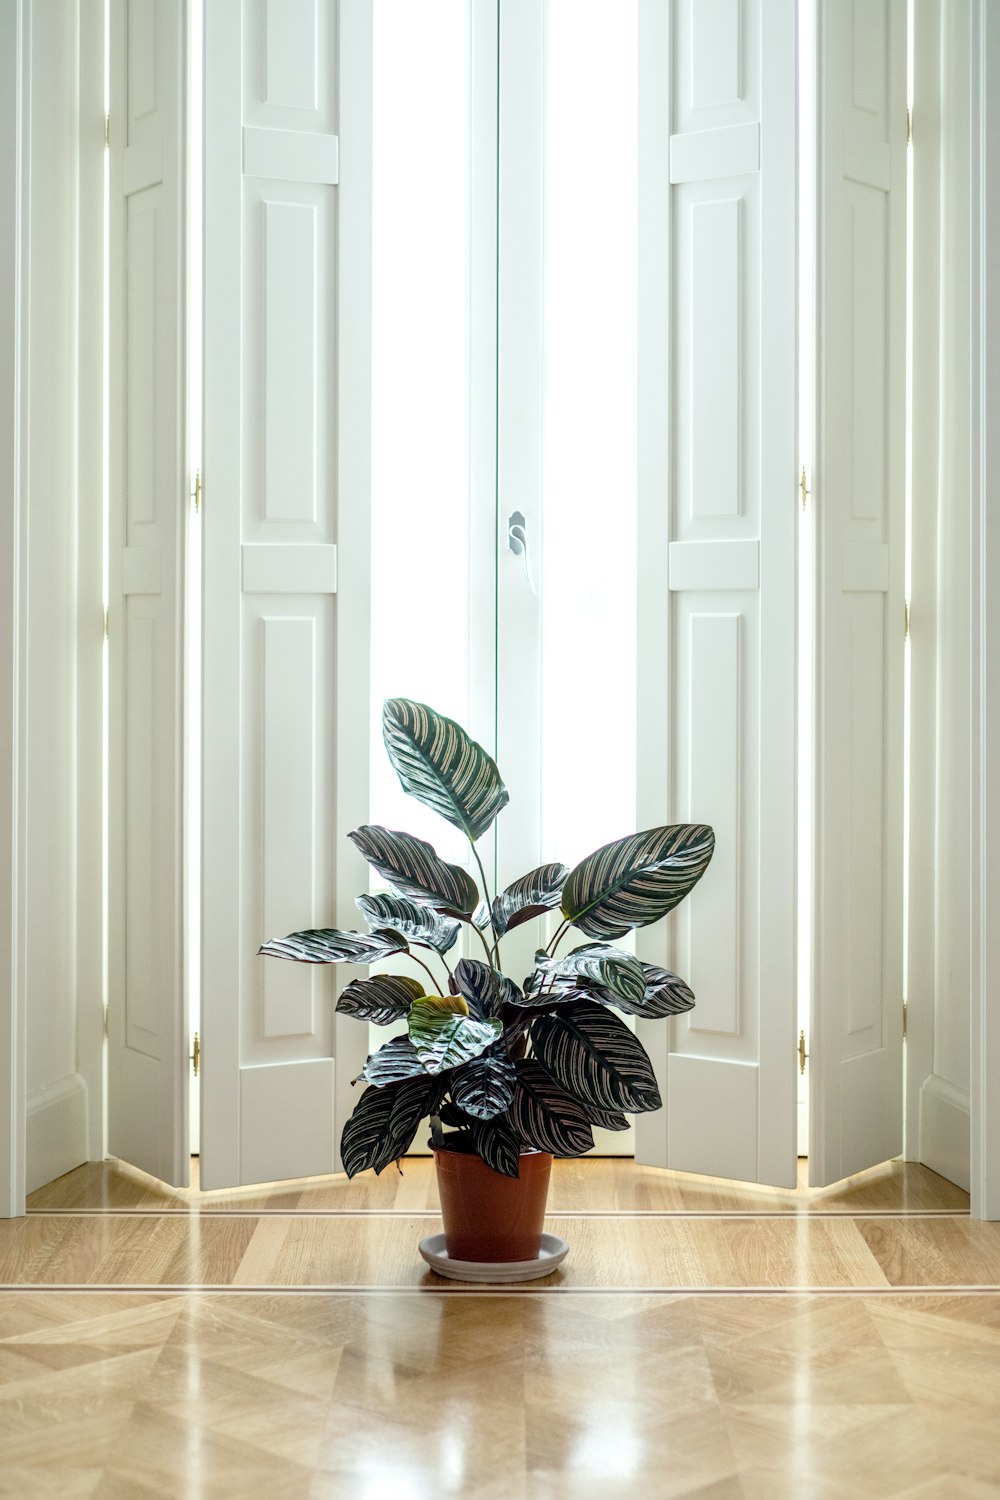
[(57, 1092)]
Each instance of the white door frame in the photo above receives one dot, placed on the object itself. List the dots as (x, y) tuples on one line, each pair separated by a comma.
[(14, 117), (984, 810)]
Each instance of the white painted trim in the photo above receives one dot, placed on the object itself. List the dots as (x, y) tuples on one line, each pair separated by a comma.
[(354, 487), (944, 1129), (90, 810), (56, 1130), (14, 116), (984, 570)]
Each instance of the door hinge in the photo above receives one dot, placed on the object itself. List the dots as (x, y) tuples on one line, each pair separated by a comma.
[(196, 1055), (906, 619), (904, 1020), (909, 126), (106, 624), (804, 489), (196, 492), (803, 1054), (107, 131), (106, 1032)]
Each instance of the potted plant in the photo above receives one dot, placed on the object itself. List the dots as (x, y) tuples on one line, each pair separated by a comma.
[(510, 1075)]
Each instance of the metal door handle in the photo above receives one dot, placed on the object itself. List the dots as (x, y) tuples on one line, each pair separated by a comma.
[(517, 541)]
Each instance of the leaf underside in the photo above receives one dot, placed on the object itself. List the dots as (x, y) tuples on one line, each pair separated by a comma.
[(440, 765)]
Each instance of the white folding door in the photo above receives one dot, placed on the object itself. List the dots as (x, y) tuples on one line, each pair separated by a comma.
[(147, 1040), (286, 462), (856, 1058)]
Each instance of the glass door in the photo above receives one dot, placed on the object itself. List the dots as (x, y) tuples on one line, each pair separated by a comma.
[(505, 413)]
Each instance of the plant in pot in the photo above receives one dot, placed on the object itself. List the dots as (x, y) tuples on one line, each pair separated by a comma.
[(510, 1075)]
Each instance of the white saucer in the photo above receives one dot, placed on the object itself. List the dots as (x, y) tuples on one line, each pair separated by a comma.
[(552, 1254)]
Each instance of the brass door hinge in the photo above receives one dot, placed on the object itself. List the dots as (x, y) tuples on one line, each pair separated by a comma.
[(196, 492), (803, 1054), (196, 1055), (906, 619), (804, 490), (106, 1032), (106, 625), (107, 131), (904, 1020)]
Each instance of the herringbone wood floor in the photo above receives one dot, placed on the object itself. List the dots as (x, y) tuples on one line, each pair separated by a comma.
[(268, 1381)]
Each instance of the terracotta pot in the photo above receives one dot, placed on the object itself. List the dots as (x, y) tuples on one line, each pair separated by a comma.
[(488, 1216)]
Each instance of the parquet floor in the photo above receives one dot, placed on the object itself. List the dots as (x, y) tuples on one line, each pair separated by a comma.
[(703, 1340)]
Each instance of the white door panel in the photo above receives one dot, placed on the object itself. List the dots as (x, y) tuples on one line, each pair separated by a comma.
[(275, 673), (718, 512), (147, 1034), (856, 1043)]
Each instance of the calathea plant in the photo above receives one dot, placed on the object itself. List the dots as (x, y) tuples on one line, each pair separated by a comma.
[(507, 1067)]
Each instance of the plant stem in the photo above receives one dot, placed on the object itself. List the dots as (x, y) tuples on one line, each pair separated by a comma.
[(491, 958), (430, 974), (556, 938)]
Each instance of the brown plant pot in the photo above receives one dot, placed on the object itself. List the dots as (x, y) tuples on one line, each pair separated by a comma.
[(489, 1217)]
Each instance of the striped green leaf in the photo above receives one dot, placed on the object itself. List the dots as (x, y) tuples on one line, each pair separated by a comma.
[(499, 1145), (414, 868), (666, 995), (596, 963), (484, 1087), (595, 1058), (607, 1119), (442, 1039), (395, 1060), (384, 1122), (535, 893), (545, 1116), (418, 924), (326, 946), (441, 766), (637, 880), (484, 988), (381, 999)]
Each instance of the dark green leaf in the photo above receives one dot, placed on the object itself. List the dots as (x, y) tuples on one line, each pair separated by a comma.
[(383, 1124), (484, 987), (545, 1116), (418, 924), (394, 1060), (440, 765), (607, 1119), (382, 999), (324, 945), (600, 964), (443, 1039), (484, 1087), (537, 892), (595, 1057), (413, 867), (499, 1145), (665, 995), (637, 880)]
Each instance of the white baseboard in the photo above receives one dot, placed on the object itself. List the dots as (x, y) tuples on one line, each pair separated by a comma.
[(56, 1130), (945, 1125)]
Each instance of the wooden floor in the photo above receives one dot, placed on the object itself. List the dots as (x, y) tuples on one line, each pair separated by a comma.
[(703, 1339)]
